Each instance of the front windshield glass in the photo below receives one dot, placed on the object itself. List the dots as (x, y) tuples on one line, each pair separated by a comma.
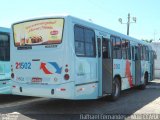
[(4, 47)]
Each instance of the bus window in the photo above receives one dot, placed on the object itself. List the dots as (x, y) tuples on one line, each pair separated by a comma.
[(138, 52), (106, 49), (140, 49), (124, 55), (89, 42), (79, 41), (113, 39), (5, 66), (99, 47), (143, 52), (147, 53), (118, 48), (128, 51), (84, 41), (116, 43), (133, 53)]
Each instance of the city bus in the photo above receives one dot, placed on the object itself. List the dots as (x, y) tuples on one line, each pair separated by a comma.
[(5, 72), (155, 47), (68, 58)]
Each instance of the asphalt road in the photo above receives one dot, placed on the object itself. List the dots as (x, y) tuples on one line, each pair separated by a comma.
[(131, 102)]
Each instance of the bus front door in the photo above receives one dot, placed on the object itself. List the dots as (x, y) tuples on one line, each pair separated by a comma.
[(107, 66), (138, 65)]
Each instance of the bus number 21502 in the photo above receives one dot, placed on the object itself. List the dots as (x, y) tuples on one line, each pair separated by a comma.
[(23, 65)]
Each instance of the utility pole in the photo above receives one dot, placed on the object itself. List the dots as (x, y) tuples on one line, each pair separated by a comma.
[(128, 22), (155, 35)]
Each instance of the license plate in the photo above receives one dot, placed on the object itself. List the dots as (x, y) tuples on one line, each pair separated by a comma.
[(36, 80)]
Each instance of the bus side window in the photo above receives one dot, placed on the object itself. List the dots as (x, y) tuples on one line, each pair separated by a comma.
[(99, 47), (147, 53), (116, 43), (124, 54), (84, 41), (136, 53), (140, 51), (90, 46), (118, 48), (79, 41), (113, 39), (133, 53), (128, 51)]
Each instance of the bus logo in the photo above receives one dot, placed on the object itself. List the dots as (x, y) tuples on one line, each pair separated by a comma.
[(55, 32), (54, 64), (45, 70)]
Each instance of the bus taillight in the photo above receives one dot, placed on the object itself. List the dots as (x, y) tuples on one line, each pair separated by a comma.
[(12, 75), (11, 68), (66, 77), (66, 70)]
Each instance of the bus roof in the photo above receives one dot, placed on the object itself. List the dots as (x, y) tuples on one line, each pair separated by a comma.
[(4, 29), (90, 24)]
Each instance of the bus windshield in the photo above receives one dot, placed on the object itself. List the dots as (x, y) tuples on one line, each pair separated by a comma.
[(4, 47), (38, 32)]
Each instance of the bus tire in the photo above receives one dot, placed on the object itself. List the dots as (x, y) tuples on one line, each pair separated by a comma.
[(116, 89), (142, 87)]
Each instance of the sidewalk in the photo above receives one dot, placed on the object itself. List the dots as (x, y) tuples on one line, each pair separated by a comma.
[(154, 84), (154, 106), (155, 81)]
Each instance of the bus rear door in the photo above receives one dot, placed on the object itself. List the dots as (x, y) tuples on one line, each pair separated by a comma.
[(133, 64), (138, 65), (105, 64)]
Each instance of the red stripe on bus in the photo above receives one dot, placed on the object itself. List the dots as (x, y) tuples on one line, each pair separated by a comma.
[(128, 73)]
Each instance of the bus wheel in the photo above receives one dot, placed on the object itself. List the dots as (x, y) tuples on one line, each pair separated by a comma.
[(116, 89), (142, 87)]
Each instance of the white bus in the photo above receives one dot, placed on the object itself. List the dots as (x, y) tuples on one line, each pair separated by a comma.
[(69, 58), (5, 72), (156, 48)]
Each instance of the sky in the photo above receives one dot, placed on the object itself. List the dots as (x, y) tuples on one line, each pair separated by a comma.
[(102, 12)]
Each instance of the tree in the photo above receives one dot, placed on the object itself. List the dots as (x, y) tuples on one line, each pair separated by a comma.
[(146, 40)]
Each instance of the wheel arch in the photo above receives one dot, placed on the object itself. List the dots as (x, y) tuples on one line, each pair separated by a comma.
[(119, 78), (146, 74)]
